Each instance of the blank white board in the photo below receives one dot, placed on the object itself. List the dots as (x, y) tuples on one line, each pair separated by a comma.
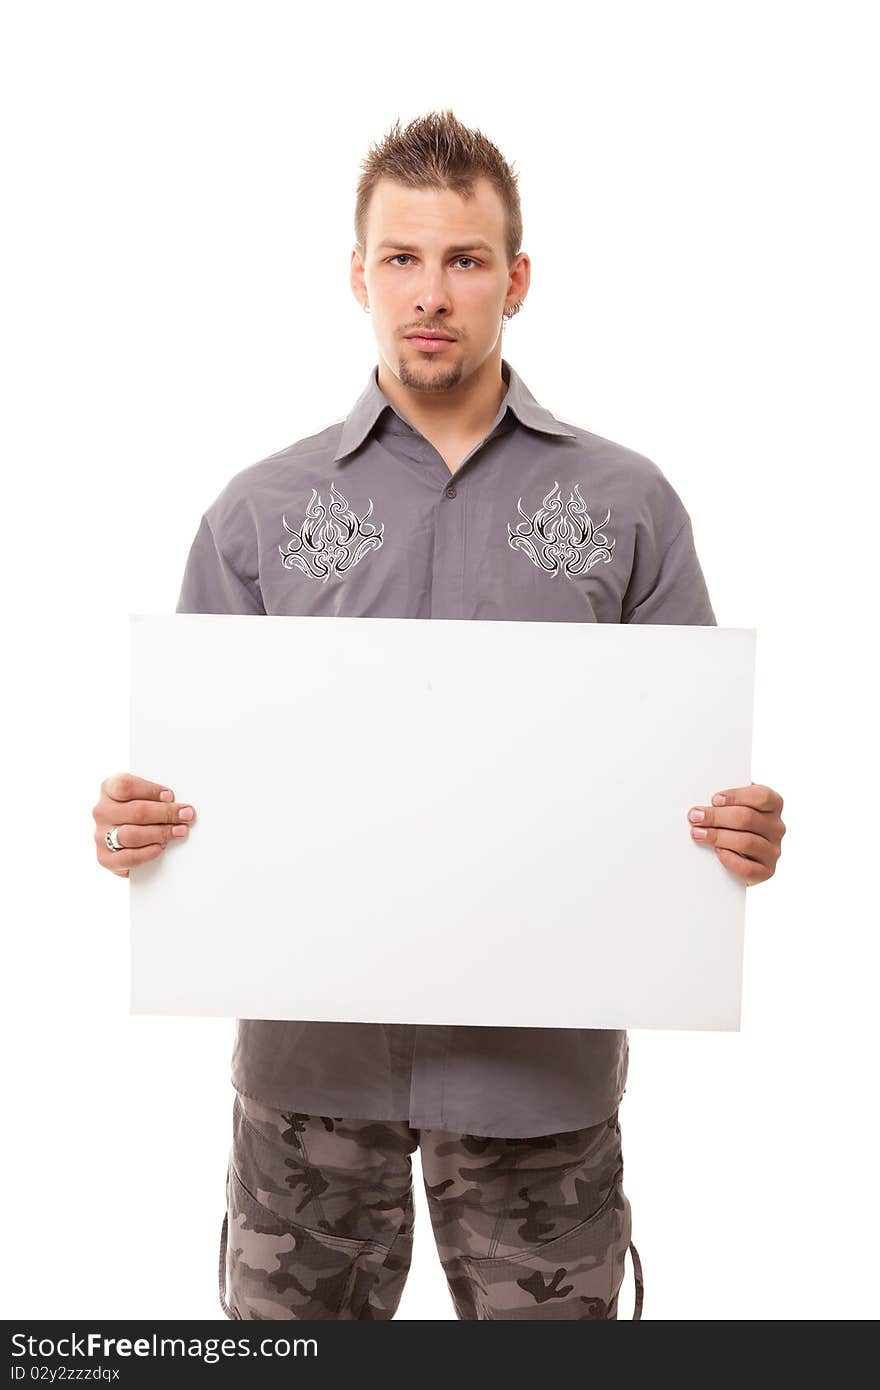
[(438, 821)]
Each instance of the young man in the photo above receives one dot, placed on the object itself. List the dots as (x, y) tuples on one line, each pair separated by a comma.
[(448, 491)]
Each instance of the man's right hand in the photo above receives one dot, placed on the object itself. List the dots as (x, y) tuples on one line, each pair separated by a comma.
[(147, 816)]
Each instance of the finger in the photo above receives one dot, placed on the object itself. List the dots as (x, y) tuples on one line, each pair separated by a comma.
[(125, 786), (143, 812), (136, 836), (122, 860), (746, 869), (743, 843), (756, 795), (764, 823)]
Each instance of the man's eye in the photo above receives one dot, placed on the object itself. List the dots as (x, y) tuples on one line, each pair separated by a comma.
[(405, 256)]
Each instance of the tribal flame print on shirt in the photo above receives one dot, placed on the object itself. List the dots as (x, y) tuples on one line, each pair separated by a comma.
[(564, 538), (330, 545)]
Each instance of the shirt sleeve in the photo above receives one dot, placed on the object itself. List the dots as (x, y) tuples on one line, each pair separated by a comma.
[(668, 585), (222, 570)]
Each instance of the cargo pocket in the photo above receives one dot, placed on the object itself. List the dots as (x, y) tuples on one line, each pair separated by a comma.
[(575, 1275), (278, 1269)]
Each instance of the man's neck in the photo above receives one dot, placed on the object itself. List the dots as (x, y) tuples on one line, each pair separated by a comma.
[(455, 420)]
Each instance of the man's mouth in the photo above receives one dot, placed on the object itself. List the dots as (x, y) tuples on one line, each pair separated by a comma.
[(429, 342)]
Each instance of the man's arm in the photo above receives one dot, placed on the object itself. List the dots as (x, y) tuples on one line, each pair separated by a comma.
[(222, 572), (743, 824), (667, 584)]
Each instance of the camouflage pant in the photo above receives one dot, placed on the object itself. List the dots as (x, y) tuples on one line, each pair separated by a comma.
[(319, 1220)]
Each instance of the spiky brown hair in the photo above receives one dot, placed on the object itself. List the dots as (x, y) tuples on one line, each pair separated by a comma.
[(437, 151)]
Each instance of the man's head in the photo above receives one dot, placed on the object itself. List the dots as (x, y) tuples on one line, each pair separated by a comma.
[(437, 234)]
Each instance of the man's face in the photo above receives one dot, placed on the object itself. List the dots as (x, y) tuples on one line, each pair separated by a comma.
[(453, 279)]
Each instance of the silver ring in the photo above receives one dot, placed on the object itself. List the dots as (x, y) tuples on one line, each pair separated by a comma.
[(111, 838)]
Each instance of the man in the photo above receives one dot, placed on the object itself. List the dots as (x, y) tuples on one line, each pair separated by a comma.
[(448, 491)]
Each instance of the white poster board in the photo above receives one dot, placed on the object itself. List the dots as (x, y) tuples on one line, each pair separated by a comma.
[(439, 821)]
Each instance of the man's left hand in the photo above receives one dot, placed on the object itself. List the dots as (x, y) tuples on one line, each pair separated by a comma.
[(744, 826)]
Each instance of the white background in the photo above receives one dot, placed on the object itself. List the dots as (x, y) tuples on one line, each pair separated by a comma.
[(696, 183)]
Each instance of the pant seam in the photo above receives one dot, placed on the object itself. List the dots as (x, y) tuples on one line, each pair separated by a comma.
[(505, 1206)]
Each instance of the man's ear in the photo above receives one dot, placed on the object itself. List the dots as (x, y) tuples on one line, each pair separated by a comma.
[(356, 278)]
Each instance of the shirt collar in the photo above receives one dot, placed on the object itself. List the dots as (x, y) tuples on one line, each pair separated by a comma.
[(372, 401)]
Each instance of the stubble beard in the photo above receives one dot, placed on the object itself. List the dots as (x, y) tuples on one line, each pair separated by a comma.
[(430, 378)]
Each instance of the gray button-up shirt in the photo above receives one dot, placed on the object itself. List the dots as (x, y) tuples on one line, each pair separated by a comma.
[(540, 521)]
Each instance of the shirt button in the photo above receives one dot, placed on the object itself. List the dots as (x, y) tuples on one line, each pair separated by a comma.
[(450, 491)]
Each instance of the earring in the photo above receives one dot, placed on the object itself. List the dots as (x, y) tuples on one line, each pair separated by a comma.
[(366, 308)]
